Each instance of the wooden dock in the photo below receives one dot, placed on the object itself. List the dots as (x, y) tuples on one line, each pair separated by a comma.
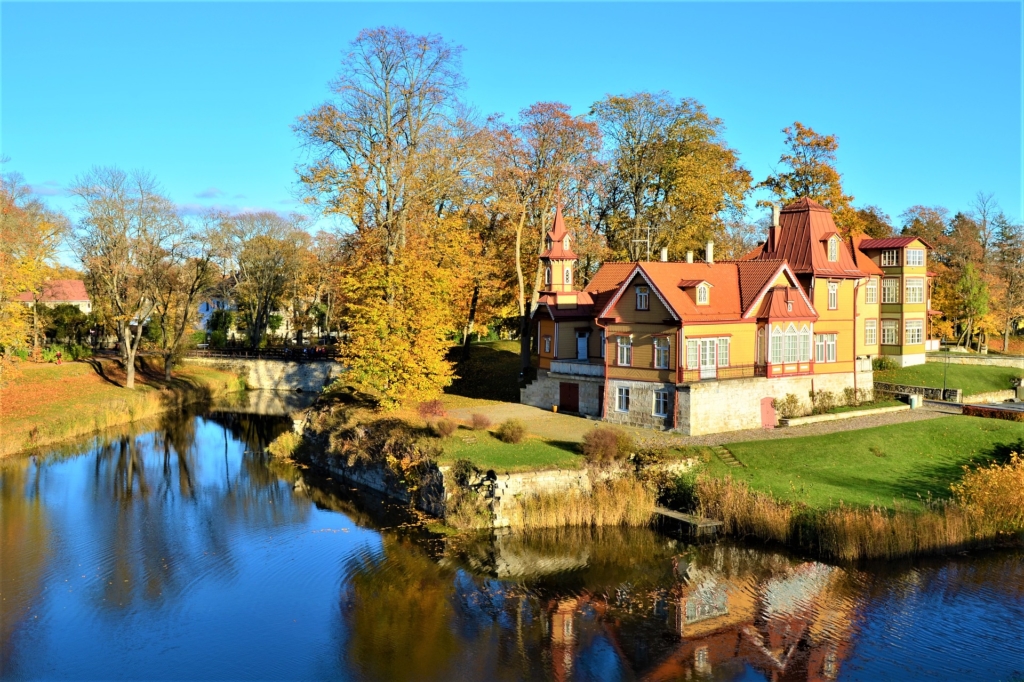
[(696, 524)]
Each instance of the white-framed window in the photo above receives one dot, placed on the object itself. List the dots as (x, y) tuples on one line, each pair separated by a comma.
[(643, 298), (833, 249), (776, 345), (824, 347), (703, 294), (805, 344), (625, 348), (870, 332), (890, 258), (915, 290), (890, 332), (692, 354), (567, 277), (723, 351), (622, 399), (791, 344), (661, 352), (915, 257), (914, 332), (871, 294), (547, 344), (547, 275), (661, 403), (891, 290), (833, 295), (565, 242)]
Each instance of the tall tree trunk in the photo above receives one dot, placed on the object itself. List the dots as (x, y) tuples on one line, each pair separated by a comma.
[(35, 325), (128, 357), (524, 321), (469, 323), (167, 365)]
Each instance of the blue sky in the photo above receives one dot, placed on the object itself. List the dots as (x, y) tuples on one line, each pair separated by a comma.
[(925, 97)]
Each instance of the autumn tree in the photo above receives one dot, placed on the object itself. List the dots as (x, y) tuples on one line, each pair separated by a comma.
[(1009, 261), (184, 272), (873, 222), (927, 222), (808, 169), (543, 157), (261, 255), (124, 224), (673, 181)]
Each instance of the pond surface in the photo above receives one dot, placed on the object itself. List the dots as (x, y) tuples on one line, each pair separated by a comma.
[(185, 552)]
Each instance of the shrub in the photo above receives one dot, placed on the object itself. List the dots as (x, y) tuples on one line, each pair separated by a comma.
[(993, 413), (431, 408), (21, 353), (444, 428), (481, 422), (995, 493), (855, 397), (218, 339), (511, 431), (822, 401), (788, 407), (884, 364), (604, 444), (463, 471), (285, 445)]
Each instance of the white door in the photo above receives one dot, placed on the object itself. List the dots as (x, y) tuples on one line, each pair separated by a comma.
[(708, 359), (581, 345)]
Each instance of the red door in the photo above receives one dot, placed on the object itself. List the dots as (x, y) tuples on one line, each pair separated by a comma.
[(767, 413), (568, 397)]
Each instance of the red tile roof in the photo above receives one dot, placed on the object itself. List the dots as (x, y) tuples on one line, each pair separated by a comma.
[(58, 291), (803, 225), (785, 302), (862, 260), (893, 243), (754, 277)]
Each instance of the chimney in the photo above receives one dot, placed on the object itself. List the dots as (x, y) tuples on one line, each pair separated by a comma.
[(711, 252), (775, 215), (664, 254), (689, 256)]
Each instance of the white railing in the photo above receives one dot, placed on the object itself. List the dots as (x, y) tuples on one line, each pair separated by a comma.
[(577, 368)]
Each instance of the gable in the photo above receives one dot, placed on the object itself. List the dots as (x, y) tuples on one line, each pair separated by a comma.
[(625, 307)]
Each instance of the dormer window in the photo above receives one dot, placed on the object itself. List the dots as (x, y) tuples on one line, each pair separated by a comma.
[(833, 249), (643, 298), (565, 242), (703, 294)]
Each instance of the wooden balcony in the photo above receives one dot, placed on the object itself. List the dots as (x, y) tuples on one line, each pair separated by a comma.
[(689, 376), (578, 368)]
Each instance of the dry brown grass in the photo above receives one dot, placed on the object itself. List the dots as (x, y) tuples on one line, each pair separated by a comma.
[(987, 503), (618, 502), (285, 445)]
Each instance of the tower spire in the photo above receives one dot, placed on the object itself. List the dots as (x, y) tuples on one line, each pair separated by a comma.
[(558, 257)]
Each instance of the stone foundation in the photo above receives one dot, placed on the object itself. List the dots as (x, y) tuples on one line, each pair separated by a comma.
[(641, 404), (543, 392)]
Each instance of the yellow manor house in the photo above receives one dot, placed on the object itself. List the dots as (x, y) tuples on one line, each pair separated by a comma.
[(705, 347)]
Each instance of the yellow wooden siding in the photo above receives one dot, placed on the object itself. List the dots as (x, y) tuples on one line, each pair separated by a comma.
[(567, 340), (625, 308), (742, 338), (867, 311), (642, 367)]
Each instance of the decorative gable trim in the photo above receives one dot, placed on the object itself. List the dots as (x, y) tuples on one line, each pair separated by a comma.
[(756, 304), (625, 285)]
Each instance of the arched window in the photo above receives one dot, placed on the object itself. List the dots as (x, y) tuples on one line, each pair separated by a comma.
[(567, 275), (805, 344), (703, 292), (776, 346), (565, 242), (547, 275), (791, 344), (760, 346)]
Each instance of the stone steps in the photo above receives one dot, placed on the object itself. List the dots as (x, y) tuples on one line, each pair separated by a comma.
[(727, 457)]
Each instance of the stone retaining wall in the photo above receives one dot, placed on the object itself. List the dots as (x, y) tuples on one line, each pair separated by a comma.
[(949, 395), (276, 375), (990, 397), (543, 392), (990, 360)]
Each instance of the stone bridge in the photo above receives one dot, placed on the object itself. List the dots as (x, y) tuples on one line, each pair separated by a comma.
[(276, 375)]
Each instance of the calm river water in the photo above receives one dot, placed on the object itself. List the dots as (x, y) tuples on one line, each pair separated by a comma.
[(184, 552)]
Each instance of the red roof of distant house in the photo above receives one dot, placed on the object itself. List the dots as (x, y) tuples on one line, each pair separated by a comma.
[(893, 243), (58, 291), (803, 225)]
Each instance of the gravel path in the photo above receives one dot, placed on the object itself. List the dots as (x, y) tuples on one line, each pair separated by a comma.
[(563, 427)]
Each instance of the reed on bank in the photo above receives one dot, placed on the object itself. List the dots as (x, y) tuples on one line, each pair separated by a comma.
[(624, 501), (987, 504)]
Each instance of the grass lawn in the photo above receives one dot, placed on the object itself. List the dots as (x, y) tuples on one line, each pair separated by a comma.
[(873, 466), (490, 453), (971, 379), (45, 403), (491, 373), (866, 406)]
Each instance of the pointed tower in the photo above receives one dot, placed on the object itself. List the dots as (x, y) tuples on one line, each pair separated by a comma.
[(558, 259)]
